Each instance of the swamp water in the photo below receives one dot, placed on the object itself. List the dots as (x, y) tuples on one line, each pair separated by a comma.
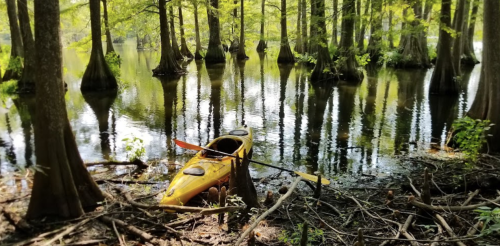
[(337, 130)]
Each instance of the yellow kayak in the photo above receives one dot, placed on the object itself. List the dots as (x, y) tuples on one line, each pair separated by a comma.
[(208, 168)]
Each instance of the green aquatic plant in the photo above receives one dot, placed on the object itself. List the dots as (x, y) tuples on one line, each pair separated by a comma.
[(134, 147), (470, 136)]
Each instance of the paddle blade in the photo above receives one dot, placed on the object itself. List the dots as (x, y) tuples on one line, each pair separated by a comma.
[(185, 145), (313, 178)]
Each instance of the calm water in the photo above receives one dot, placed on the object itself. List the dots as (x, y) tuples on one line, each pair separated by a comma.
[(339, 129)]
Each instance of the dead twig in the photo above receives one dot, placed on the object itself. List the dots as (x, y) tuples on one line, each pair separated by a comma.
[(134, 230), (137, 162), (15, 219), (182, 222), (118, 234), (68, 230), (451, 208), (448, 229), (471, 196), (404, 231), (269, 211), (413, 187)]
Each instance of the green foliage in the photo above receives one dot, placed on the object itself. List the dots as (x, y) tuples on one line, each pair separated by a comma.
[(8, 87), (314, 236), (490, 218), (16, 64), (432, 52), (134, 147), (306, 58), (114, 61), (363, 60), (470, 136), (391, 58)]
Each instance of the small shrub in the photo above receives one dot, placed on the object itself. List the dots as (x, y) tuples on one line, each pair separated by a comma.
[(490, 218), (363, 60), (391, 58), (314, 236), (8, 88), (470, 136), (135, 148), (113, 60)]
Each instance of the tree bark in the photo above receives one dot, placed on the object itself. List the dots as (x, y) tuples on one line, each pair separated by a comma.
[(335, 24), (285, 55), (348, 69), (109, 40), (411, 48), (443, 81), (215, 53), (184, 48), (241, 51), (375, 43), (324, 67), (197, 53), (175, 46), (168, 65), (298, 39), (390, 35), (16, 50), (97, 76), (305, 42), (469, 57), (360, 37), (485, 105), (357, 20), (27, 82), (66, 188), (262, 46), (313, 31), (457, 43)]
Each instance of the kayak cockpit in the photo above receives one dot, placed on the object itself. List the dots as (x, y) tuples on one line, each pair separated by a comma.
[(225, 145)]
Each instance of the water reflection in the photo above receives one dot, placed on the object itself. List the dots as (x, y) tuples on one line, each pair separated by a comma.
[(327, 128), (101, 103)]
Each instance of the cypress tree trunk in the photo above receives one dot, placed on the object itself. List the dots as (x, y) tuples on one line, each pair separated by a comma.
[(358, 21), (298, 40), (305, 41), (469, 57), (360, 37), (390, 35), (109, 41), (175, 46), (262, 46), (285, 55), (27, 82), (411, 48), (241, 51), (374, 44), (443, 81), (313, 31), (334, 24), (66, 188), (402, 37), (197, 53), (348, 70), (235, 44), (168, 65), (16, 48), (457, 43), (215, 53), (324, 66), (97, 76), (184, 48), (485, 105)]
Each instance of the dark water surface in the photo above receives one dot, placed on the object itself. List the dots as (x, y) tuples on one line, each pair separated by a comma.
[(339, 129)]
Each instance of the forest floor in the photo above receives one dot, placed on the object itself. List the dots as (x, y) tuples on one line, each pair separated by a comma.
[(366, 210)]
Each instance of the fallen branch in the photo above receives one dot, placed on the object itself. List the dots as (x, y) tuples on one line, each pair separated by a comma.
[(118, 234), (120, 181), (448, 228), (68, 230), (417, 193), (15, 219), (327, 204), (137, 162), (404, 230), (474, 229), (269, 211), (472, 195), (183, 209), (15, 198), (451, 208), (134, 230), (181, 222)]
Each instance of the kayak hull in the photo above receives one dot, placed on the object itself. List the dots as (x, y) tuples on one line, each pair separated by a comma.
[(207, 168)]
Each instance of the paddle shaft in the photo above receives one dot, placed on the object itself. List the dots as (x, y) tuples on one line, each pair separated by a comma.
[(256, 162)]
